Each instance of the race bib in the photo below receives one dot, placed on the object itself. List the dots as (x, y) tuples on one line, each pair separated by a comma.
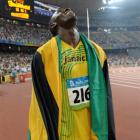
[(78, 92)]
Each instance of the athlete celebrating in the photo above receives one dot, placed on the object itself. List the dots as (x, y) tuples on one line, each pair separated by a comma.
[(71, 96)]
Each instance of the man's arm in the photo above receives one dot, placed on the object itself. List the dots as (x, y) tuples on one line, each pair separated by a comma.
[(111, 123), (45, 99)]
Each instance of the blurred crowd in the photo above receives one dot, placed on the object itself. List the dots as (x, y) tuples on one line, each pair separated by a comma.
[(117, 60), (28, 34), (21, 63), (110, 33), (15, 63), (12, 31), (116, 40), (95, 21)]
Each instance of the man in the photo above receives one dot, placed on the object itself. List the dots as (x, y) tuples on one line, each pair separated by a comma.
[(71, 98)]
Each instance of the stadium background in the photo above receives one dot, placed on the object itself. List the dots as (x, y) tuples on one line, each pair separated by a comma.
[(114, 24)]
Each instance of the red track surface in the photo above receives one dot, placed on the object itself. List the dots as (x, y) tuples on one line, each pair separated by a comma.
[(15, 100)]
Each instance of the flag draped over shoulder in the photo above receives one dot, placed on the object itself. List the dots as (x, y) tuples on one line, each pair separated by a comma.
[(102, 120), (46, 104)]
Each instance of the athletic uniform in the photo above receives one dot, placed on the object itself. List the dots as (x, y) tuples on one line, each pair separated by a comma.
[(75, 106), (61, 106)]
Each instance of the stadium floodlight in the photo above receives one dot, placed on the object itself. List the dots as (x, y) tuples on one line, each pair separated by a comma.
[(104, 1), (114, 1)]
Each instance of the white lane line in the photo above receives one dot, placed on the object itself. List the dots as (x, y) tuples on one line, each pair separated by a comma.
[(124, 77), (124, 69), (135, 73), (126, 82), (123, 85), (127, 70), (127, 74)]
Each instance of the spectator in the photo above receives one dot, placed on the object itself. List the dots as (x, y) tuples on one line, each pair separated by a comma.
[(13, 76)]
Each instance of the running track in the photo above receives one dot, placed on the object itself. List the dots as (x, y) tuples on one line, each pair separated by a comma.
[(15, 100)]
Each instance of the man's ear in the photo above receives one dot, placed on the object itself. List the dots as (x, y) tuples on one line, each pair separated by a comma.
[(52, 25), (53, 28)]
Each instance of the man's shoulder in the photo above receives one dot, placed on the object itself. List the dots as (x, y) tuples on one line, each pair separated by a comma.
[(46, 46), (45, 51), (98, 48), (100, 52)]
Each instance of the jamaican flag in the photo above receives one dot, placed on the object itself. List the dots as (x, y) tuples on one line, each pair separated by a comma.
[(46, 104)]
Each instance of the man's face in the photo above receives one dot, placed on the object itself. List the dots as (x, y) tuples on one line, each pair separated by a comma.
[(65, 18)]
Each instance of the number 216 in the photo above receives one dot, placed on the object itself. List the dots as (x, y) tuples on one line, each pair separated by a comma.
[(81, 95)]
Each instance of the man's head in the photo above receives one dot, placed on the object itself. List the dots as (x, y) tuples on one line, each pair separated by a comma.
[(63, 18)]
